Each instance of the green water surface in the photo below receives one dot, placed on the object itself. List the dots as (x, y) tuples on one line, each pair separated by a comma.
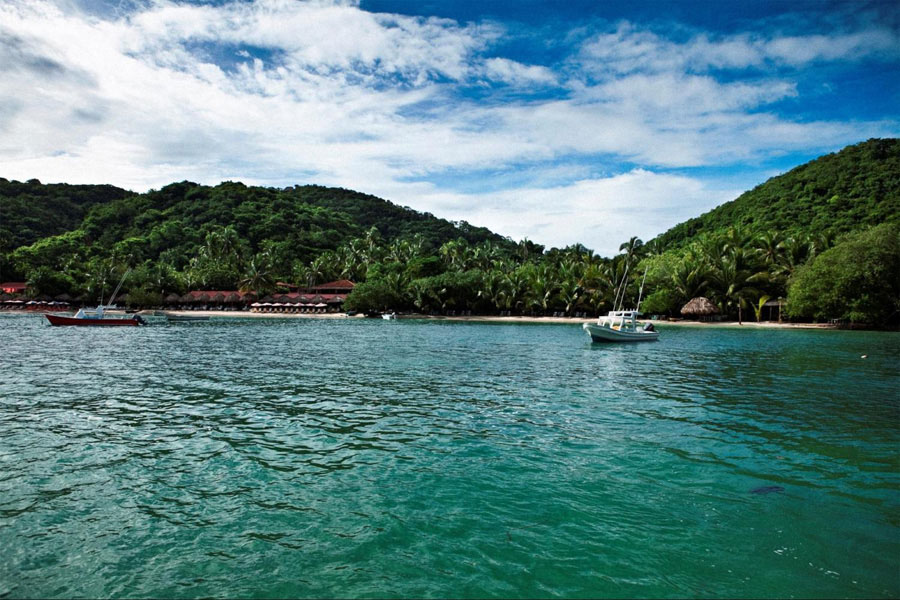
[(370, 458)]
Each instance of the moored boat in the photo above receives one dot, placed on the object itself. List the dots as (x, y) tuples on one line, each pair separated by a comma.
[(95, 318), (186, 318), (621, 326)]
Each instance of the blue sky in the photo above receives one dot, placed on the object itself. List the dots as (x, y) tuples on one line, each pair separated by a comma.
[(563, 122)]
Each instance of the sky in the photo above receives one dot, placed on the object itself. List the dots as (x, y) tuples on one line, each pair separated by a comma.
[(561, 122)]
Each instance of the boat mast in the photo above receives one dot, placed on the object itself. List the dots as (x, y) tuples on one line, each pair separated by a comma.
[(113, 297), (641, 293), (621, 289)]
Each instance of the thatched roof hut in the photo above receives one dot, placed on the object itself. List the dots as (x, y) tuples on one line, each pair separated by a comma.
[(699, 307), (173, 298)]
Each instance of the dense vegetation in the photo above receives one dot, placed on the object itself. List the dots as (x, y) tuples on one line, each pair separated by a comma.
[(30, 211), (832, 195), (798, 231)]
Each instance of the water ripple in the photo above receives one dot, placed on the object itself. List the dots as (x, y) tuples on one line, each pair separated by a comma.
[(363, 458)]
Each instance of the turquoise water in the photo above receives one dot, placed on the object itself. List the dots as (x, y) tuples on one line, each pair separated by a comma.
[(366, 458)]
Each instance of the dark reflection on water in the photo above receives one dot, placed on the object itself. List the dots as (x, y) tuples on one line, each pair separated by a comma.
[(372, 458)]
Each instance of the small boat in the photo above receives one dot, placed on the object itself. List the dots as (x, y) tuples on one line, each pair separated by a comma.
[(96, 318), (621, 326), (186, 318), (389, 316)]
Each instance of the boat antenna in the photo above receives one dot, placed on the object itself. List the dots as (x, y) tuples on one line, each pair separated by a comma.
[(641, 293), (621, 288), (113, 297)]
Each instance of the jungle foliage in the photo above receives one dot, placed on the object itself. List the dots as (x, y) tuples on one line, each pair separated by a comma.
[(805, 229), (832, 195)]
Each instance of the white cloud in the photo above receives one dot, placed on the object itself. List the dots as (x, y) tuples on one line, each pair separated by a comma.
[(277, 92), (630, 49), (600, 213)]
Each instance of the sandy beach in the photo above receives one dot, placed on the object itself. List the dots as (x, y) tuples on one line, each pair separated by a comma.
[(489, 319)]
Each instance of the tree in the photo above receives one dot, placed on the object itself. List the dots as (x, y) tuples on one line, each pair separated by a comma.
[(734, 278), (257, 276), (858, 279)]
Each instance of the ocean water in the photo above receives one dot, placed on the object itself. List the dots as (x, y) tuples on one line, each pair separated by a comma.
[(369, 458)]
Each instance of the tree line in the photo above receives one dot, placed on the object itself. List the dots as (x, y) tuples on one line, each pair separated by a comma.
[(855, 277), (813, 228)]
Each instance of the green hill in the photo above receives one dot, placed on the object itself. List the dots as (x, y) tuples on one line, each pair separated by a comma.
[(792, 237), (832, 195), (302, 221), (30, 211)]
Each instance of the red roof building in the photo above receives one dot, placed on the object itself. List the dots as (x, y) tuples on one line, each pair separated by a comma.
[(13, 287), (341, 286)]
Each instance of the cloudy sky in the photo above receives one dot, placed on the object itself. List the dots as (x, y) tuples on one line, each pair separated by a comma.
[(561, 122)]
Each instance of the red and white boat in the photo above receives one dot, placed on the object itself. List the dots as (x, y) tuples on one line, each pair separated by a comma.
[(96, 317)]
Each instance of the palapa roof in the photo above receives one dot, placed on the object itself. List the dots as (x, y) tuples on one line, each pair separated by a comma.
[(699, 306), (340, 284)]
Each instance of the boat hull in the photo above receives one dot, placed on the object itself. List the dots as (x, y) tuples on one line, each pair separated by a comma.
[(125, 322), (609, 335)]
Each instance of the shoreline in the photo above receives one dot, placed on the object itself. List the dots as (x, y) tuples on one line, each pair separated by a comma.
[(231, 314), (490, 319)]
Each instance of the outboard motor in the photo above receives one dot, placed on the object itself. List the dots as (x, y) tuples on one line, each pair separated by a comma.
[(140, 320)]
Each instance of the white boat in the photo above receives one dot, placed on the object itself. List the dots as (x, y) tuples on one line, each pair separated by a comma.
[(186, 318), (621, 326), (389, 316)]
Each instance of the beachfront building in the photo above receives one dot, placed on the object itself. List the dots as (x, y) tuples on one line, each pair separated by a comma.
[(212, 300), (13, 287), (328, 297)]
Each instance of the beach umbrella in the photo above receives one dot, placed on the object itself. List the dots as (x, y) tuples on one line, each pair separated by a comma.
[(699, 307), (233, 298), (218, 298), (321, 305), (173, 299), (255, 305)]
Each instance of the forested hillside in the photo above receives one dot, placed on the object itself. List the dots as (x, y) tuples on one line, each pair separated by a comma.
[(835, 194), (30, 211), (825, 236), (171, 224)]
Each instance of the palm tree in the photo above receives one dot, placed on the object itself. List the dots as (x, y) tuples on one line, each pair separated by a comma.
[(770, 245), (257, 276), (734, 277), (633, 249), (570, 293), (514, 285), (541, 287), (492, 289), (689, 279), (797, 252)]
